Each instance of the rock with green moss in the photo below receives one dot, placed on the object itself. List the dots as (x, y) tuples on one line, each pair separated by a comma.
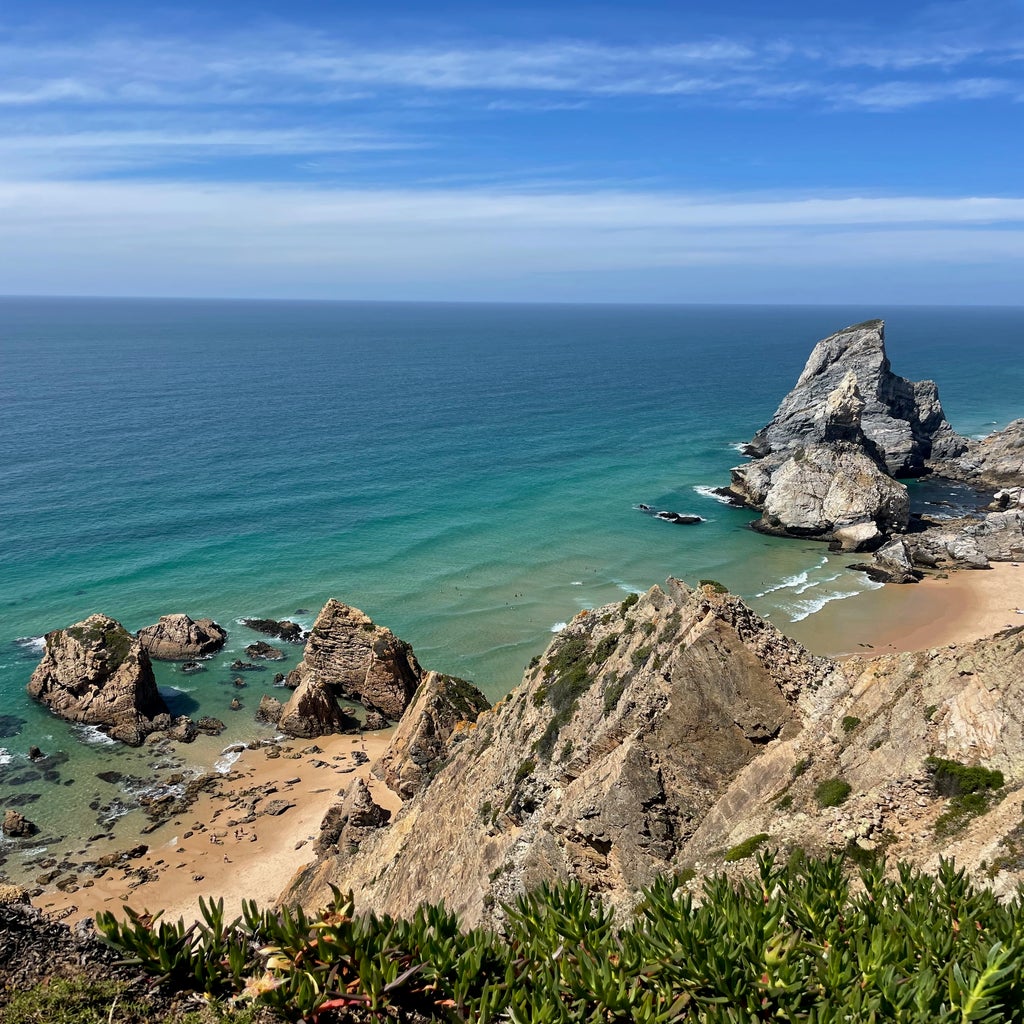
[(95, 672)]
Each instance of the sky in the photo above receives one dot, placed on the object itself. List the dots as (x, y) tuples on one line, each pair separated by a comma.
[(566, 151)]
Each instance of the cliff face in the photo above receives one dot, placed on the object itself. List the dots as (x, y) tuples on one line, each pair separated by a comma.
[(600, 766), (654, 736)]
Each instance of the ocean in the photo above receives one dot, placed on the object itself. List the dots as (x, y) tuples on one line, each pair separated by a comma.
[(466, 474)]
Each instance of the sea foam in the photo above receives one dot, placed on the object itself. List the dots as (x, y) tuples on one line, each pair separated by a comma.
[(707, 491)]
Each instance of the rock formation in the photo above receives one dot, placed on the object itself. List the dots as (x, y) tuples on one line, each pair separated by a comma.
[(179, 638), (95, 672), (348, 654), (829, 491), (312, 710), (284, 629), (264, 651), (347, 825), (994, 462), (847, 392), (658, 737), (442, 706), (16, 826)]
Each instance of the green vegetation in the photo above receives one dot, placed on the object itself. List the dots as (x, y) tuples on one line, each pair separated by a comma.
[(930, 711), (671, 627), (603, 651), (800, 767), (741, 851), (526, 769), (628, 602), (832, 792), (613, 693), (62, 1001), (641, 654), (850, 722), (793, 943), (714, 586), (970, 788)]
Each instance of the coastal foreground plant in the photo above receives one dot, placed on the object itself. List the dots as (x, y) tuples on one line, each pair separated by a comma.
[(797, 942)]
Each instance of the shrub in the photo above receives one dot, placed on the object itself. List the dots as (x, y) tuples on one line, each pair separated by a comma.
[(741, 851), (714, 586), (832, 792), (850, 722), (640, 655)]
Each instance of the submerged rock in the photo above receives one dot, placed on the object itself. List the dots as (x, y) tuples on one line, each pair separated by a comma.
[(177, 637), (284, 629), (267, 652), (96, 673)]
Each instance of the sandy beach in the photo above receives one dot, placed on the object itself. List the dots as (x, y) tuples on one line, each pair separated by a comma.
[(954, 609), (207, 852)]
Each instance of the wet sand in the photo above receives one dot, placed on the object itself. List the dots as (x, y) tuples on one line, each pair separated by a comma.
[(965, 606), (210, 852)]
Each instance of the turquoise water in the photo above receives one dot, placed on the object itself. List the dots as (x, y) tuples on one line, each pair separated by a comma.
[(465, 474)]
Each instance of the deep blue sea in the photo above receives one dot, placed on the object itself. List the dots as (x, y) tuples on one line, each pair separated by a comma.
[(465, 474)]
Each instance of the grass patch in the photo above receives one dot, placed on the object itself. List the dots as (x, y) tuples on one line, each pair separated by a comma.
[(832, 792), (741, 851), (850, 722), (641, 654)]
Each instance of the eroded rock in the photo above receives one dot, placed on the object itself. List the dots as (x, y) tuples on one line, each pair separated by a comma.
[(96, 673), (178, 638)]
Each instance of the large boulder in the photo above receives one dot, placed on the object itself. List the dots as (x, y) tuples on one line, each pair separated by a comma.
[(16, 826), (178, 638), (347, 824), (96, 673), (312, 710), (970, 543), (423, 738), (830, 491), (348, 653), (847, 392)]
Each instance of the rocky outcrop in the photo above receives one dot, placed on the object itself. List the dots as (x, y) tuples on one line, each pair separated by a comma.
[(891, 564), (443, 705), (969, 543), (349, 654), (284, 629), (348, 824), (827, 491), (96, 673), (178, 638), (269, 710), (264, 651), (16, 826), (996, 461), (848, 392), (599, 766), (657, 736), (312, 710)]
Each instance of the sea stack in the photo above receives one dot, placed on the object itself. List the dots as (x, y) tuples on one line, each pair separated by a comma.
[(179, 638), (97, 673), (824, 466), (347, 654)]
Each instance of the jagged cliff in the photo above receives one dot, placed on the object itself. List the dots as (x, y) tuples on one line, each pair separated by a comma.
[(655, 735)]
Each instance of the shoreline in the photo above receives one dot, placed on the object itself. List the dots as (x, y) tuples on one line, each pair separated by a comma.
[(940, 610), (210, 851), (206, 852)]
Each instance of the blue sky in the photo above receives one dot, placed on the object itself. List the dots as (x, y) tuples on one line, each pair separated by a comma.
[(666, 152)]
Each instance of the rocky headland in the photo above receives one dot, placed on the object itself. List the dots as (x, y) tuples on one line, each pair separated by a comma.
[(663, 733), (827, 464)]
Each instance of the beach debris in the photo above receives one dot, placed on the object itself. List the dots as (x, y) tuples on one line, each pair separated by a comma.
[(177, 637)]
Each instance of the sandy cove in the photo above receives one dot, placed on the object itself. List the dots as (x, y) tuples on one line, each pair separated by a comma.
[(200, 853), (940, 610)]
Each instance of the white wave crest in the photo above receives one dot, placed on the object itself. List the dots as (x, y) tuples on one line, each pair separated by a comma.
[(800, 610), (35, 644), (558, 627), (784, 584), (226, 761), (576, 583), (707, 491), (93, 735), (6, 757)]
